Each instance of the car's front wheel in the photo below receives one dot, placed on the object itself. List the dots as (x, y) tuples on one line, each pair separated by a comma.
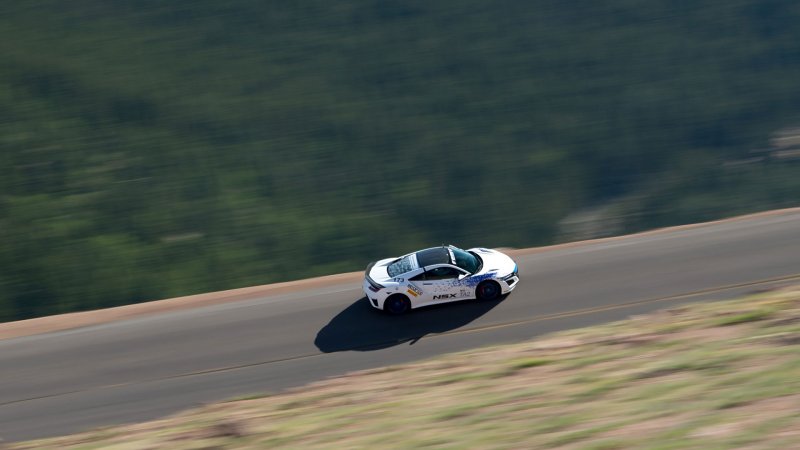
[(488, 290), (397, 304)]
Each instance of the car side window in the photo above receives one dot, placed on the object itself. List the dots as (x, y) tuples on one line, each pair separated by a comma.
[(419, 277), (442, 273)]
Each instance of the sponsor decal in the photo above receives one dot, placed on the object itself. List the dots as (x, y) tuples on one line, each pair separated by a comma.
[(443, 296), (414, 290)]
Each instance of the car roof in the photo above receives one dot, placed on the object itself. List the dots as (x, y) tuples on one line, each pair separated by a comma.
[(436, 255)]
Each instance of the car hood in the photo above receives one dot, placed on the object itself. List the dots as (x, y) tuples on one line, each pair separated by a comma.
[(494, 261)]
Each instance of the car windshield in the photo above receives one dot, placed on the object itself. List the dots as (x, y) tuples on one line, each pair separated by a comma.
[(400, 266), (466, 260)]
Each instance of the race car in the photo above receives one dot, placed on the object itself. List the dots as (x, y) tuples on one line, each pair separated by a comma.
[(439, 275)]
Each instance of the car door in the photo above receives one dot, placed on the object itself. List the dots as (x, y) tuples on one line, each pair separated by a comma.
[(441, 284)]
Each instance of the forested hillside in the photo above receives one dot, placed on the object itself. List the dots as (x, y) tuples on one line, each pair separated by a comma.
[(150, 149)]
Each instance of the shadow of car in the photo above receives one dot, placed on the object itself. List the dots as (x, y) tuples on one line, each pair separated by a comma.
[(361, 327)]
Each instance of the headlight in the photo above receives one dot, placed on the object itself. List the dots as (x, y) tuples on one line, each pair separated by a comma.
[(514, 272)]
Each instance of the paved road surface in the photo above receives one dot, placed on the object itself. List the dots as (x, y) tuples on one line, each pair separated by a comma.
[(144, 368)]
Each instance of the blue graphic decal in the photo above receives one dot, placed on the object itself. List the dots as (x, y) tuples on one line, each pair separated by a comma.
[(474, 280)]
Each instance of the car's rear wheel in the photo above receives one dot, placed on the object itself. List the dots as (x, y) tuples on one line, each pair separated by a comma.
[(488, 290), (397, 304)]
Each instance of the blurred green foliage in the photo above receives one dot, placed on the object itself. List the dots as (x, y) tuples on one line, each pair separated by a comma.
[(151, 149)]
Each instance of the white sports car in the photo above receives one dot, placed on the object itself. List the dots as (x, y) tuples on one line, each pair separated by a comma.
[(439, 275)]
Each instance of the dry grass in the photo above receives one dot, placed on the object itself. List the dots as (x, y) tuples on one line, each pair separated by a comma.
[(716, 375)]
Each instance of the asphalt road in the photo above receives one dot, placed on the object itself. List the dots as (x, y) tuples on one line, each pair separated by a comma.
[(144, 368)]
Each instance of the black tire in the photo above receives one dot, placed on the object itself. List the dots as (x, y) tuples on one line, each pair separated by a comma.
[(488, 290), (397, 304)]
